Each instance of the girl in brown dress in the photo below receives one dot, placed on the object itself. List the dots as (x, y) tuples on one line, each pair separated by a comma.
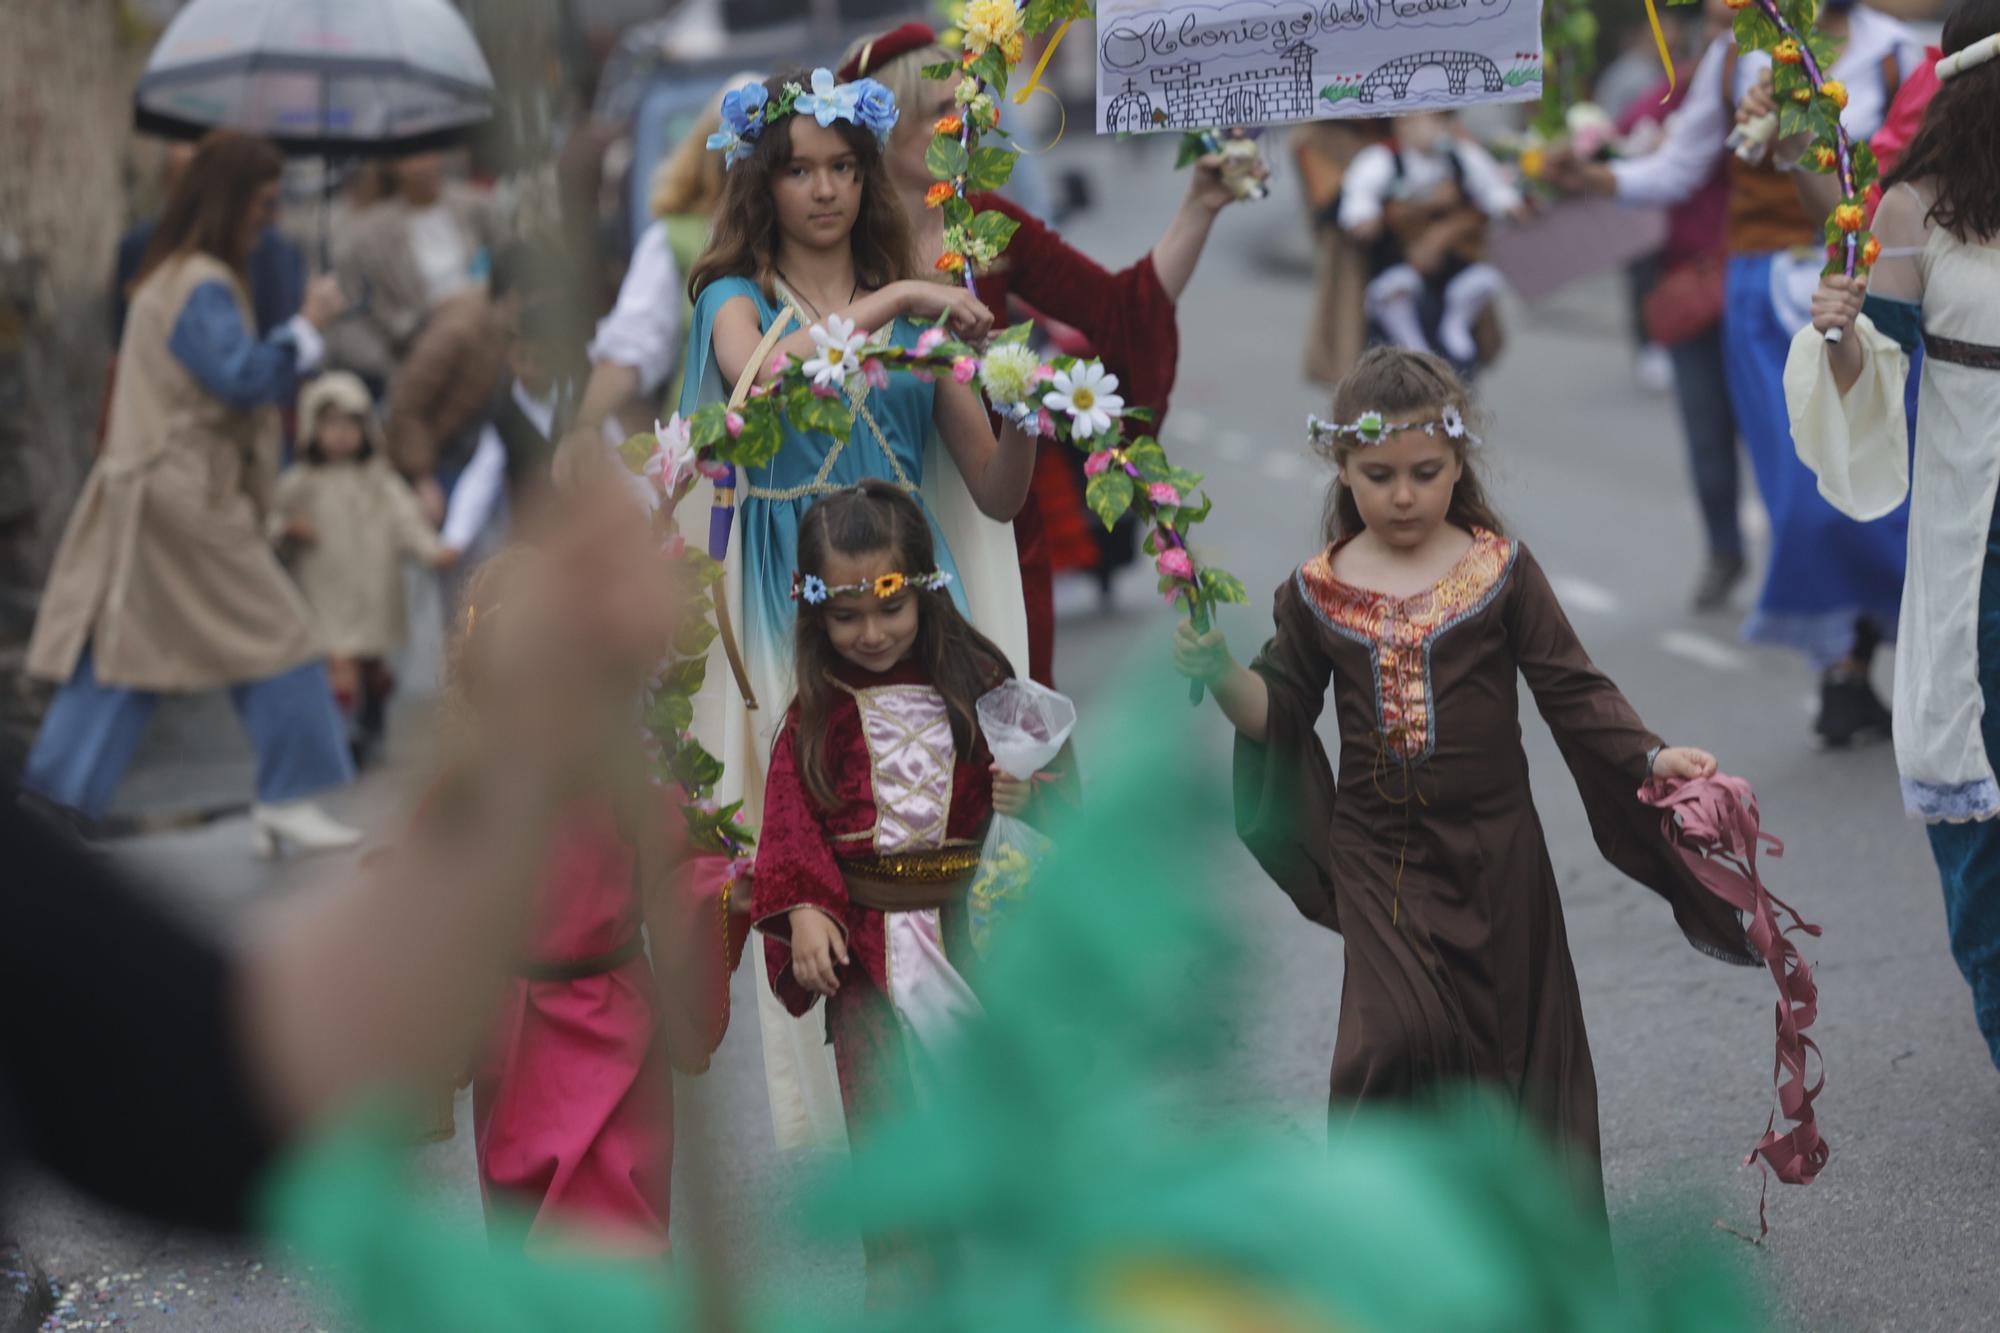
[(1427, 854)]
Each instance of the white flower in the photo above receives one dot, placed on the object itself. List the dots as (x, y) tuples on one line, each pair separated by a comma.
[(1085, 391), (839, 344), (1454, 424), (672, 462), (1008, 373)]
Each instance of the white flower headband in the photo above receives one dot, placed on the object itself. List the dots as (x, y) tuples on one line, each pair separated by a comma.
[(1372, 427), (747, 110), (813, 590)]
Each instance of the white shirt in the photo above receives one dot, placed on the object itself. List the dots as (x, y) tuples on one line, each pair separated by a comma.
[(643, 330), (1697, 133), (438, 247), (1371, 180), (477, 494)]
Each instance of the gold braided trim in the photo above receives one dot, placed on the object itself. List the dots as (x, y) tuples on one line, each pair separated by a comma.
[(938, 866)]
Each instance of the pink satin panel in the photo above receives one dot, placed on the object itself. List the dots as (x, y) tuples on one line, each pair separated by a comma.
[(909, 744)]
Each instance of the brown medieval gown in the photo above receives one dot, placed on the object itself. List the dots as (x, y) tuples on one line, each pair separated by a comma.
[(1427, 855)]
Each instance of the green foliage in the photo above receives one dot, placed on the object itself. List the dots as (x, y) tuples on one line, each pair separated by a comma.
[(994, 228), (946, 158), (988, 170), (1109, 495)]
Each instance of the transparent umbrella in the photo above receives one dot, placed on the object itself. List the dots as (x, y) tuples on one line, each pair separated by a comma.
[(334, 77)]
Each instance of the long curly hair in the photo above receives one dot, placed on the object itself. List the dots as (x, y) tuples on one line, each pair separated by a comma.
[(1395, 381), (962, 663), (743, 240), (1954, 147)]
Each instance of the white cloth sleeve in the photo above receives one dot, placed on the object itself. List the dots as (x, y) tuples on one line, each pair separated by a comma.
[(1488, 185), (1365, 185), (1696, 134), (643, 330), (477, 491), (1858, 443)]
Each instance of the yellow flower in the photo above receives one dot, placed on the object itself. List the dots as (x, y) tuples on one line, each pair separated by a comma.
[(1802, 95), (937, 194), (1849, 217), (1787, 53), (1825, 157), (1533, 162), (1834, 91), (889, 585), (990, 23), (1871, 252), (1013, 46), (1739, 4), (950, 262)]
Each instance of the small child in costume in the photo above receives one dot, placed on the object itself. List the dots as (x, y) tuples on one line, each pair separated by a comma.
[(1421, 201), (878, 796), (1427, 855), (573, 1102), (347, 522)]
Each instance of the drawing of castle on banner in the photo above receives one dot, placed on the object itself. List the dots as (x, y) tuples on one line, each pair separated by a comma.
[(1251, 97)]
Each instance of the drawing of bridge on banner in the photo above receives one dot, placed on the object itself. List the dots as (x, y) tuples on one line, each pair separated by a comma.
[(1251, 97), (1459, 67)]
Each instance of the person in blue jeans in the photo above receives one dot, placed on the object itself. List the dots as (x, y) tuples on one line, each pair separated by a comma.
[(164, 581)]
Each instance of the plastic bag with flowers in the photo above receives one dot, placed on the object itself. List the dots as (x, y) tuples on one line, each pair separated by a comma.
[(1026, 725)]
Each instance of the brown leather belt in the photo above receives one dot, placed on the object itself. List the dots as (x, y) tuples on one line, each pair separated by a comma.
[(594, 966), (911, 881), (1976, 355)]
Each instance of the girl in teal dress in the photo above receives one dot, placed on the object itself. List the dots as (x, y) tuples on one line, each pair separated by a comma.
[(809, 221), (810, 232)]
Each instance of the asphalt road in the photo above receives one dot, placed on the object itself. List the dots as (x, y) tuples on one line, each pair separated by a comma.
[(1897, 1234)]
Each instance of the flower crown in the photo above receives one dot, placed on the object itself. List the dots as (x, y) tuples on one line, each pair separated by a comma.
[(1372, 427), (813, 590), (747, 110)]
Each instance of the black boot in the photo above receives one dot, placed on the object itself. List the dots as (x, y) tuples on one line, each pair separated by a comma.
[(1849, 709), (1718, 580)]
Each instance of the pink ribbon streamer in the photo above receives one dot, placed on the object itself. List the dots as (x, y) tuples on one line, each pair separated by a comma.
[(1713, 823)]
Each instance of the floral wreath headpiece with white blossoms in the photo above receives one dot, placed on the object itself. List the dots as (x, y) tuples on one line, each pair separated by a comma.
[(814, 591), (1373, 427), (747, 110)]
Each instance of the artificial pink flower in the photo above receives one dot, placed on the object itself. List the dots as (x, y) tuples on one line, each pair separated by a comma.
[(1043, 374), (922, 376), (759, 390), (714, 469), (675, 547), (1175, 562), (733, 423), (929, 341), (1163, 493), (1097, 464), (826, 391), (875, 373), (1045, 425), (779, 364), (964, 369)]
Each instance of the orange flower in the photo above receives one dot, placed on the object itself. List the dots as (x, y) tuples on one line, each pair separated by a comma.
[(965, 61), (1871, 252), (1849, 217), (1739, 4), (949, 125), (889, 585), (1834, 91), (950, 262), (937, 194), (1802, 95), (1825, 157), (1787, 53)]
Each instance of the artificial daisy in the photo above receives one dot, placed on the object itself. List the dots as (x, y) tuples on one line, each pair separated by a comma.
[(838, 345), (1089, 394), (1453, 421), (889, 585), (1009, 373), (813, 589)]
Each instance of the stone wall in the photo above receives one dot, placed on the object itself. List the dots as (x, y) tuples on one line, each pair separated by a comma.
[(66, 74)]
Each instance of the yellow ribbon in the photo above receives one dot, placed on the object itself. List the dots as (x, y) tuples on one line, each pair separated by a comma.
[(1660, 41), (1035, 85)]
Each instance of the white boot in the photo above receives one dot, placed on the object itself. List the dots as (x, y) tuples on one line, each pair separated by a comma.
[(1465, 299), (297, 826), (1391, 300)]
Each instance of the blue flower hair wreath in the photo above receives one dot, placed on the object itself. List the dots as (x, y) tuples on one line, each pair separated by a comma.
[(747, 110)]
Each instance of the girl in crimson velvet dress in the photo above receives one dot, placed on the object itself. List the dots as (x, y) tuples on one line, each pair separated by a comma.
[(1416, 621), (573, 1103), (1126, 319), (879, 792)]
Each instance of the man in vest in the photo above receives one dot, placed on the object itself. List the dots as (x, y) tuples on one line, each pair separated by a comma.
[(1833, 586)]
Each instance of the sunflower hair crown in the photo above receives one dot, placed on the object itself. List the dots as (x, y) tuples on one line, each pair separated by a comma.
[(1373, 426), (746, 111), (815, 591)]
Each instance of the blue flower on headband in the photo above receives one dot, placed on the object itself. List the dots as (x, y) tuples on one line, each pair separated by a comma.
[(828, 101), (814, 590), (874, 107), (743, 108)]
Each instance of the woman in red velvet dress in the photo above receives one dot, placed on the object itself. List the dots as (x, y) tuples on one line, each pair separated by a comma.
[(1128, 317)]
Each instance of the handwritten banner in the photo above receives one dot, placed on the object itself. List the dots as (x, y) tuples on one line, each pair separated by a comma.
[(1167, 66)]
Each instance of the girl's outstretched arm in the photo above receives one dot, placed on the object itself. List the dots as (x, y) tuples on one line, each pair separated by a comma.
[(1242, 694)]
